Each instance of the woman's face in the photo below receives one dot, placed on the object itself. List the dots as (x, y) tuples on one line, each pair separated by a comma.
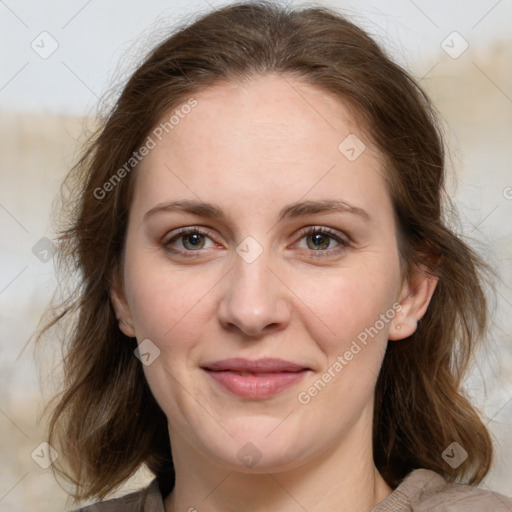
[(262, 343)]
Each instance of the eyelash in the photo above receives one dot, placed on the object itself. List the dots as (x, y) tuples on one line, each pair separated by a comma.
[(303, 233)]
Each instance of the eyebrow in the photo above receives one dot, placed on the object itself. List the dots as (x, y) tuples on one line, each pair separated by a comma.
[(293, 210)]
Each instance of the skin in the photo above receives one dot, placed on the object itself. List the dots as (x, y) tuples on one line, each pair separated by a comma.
[(252, 149)]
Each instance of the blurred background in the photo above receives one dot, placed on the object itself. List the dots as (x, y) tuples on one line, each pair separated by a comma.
[(57, 62)]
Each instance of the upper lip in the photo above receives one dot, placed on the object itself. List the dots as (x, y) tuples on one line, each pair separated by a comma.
[(263, 365)]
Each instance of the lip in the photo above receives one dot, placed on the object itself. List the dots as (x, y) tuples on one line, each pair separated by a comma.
[(255, 379)]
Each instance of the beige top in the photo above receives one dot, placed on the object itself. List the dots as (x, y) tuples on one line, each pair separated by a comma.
[(421, 491)]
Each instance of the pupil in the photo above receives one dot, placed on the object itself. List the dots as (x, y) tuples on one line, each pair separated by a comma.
[(319, 240), (193, 239)]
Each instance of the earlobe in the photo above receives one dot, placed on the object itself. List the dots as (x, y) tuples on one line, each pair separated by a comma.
[(416, 296), (121, 308)]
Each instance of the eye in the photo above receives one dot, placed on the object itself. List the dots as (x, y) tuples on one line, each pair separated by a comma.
[(319, 240), (190, 239), (189, 242)]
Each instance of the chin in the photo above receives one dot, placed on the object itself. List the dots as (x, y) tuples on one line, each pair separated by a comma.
[(251, 459), (254, 450)]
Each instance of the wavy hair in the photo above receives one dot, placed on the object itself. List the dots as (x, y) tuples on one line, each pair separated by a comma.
[(105, 421)]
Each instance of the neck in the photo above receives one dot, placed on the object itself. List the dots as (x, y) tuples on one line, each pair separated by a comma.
[(344, 478)]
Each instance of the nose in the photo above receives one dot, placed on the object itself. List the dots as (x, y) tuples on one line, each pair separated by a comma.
[(254, 299)]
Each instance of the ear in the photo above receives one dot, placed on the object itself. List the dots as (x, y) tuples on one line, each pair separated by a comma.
[(121, 308), (415, 298)]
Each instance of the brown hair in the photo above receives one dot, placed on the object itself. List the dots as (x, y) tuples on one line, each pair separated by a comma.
[(106, 422)]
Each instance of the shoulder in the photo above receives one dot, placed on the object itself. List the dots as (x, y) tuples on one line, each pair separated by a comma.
[(427, 491), (148, 499)]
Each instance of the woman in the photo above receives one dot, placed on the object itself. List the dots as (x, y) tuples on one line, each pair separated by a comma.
[(258, 229)]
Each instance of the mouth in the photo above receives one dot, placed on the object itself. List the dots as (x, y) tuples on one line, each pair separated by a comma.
[(255, 379)]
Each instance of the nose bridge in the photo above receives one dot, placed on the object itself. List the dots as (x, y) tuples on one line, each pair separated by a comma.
[(254, 299)]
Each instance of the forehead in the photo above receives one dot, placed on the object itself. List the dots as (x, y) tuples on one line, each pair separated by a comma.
[(281, 116), (269, 139)]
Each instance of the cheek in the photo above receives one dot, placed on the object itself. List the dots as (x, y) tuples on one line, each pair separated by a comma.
[(168, 307), (349, 303), (352, 337), (166, 303)]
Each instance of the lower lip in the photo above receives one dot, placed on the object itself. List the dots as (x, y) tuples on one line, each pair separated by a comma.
[(253, 386)]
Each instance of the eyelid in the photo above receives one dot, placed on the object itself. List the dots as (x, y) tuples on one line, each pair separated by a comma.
[(323, 229), (343, 240), (189, 254), (188, 229)]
